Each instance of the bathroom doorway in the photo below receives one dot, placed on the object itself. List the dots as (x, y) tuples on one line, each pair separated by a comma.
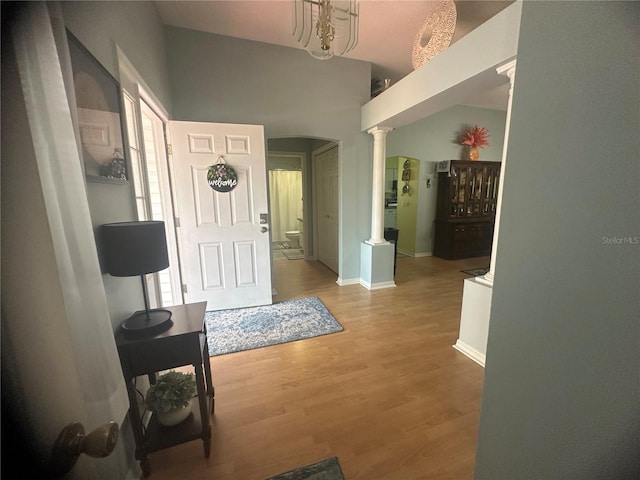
[(292, 197), (286, 205)]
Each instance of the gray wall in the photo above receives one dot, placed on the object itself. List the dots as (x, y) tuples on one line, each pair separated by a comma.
[(222, 79), (561, 395), (431, 140), (136, 28)]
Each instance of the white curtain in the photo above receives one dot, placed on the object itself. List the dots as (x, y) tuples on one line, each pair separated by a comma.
[(41, 63), (285, 202)]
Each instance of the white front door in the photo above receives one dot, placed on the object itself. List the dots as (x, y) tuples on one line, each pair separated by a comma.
[(224, 242), (327, 177)]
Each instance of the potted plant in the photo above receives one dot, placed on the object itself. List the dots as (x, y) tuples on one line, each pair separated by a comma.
[(170, 397)]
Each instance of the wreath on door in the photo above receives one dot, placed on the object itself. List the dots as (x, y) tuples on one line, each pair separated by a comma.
[(222, 177)]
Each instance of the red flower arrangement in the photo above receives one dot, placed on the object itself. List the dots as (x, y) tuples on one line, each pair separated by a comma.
[(476, 137)]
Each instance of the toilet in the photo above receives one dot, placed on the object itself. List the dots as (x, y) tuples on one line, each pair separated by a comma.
[(294, 238)]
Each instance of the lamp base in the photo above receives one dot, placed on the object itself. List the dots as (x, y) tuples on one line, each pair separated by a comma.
[(147, 323)]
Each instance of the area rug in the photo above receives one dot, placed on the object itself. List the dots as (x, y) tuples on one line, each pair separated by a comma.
[(328, 469), (242, 329), (475, 272)]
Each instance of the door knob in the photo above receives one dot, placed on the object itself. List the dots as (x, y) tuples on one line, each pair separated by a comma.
[(72, 442), (264, 229)]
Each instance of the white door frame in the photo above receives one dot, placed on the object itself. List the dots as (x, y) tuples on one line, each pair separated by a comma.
[(137, 89)]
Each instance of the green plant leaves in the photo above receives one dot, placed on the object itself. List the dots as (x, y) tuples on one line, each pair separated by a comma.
[(172, 390)]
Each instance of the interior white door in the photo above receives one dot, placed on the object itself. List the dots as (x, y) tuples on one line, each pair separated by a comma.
[(327, 176), (224, 239)]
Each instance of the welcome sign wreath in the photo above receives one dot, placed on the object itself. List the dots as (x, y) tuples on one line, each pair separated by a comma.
[(221, 177)]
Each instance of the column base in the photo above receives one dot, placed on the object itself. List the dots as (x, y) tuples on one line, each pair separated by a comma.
[(376, 265), (486, 279), (470, 352), (474, 320), (376, 242)]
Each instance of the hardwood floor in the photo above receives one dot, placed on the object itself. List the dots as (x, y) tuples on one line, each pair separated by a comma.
[(388, 396)]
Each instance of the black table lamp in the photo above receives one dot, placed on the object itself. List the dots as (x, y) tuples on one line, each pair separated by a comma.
[(138, 248)]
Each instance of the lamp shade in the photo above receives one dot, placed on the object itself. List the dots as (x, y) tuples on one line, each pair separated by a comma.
[(134, 248)]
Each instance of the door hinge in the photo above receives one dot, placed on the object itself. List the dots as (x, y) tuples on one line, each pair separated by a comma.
[(184, 288), (169, 149), (176, 222)]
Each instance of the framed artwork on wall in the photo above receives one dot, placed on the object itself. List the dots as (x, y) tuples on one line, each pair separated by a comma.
[(100, 119)]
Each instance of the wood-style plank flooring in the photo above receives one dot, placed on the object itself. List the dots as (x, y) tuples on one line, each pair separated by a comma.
[(388, 396)]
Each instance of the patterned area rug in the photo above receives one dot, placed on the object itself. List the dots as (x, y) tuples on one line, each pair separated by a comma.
[(241, 329), (328, 469), (475, 272)]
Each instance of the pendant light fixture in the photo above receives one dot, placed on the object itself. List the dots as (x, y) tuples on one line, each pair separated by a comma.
[(326, 27)]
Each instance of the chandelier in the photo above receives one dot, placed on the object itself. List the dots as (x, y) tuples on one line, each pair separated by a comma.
[(326, 27)]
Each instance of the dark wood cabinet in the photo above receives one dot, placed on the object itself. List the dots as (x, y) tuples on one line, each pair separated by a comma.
[(466, 209)]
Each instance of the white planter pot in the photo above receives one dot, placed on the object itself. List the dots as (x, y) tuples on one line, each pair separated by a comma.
[(174, 417)]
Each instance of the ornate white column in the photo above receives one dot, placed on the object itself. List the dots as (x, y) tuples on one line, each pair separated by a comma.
[(377, 196), (508, 69)]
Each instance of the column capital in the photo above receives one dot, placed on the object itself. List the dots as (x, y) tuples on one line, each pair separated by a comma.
[(378, 130), (508, 69)]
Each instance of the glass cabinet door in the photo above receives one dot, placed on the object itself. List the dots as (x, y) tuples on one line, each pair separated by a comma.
[(458, 190), (491, 180), (474, 198), (473, 189)]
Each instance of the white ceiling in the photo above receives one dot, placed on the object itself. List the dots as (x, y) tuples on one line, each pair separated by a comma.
[(387, 29)]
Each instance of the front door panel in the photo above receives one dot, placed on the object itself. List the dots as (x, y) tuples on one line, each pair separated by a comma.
[(224, 251)]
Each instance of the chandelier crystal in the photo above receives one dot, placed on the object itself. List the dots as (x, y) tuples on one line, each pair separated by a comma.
[(326, 27)]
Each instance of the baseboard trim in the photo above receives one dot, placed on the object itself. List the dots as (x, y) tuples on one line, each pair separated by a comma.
[(377, 286), (470, 352), (415, 254), (347, 281)]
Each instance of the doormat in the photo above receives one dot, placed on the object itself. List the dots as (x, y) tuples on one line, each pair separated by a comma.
[(242, 329), (328, 469), (476, 272)]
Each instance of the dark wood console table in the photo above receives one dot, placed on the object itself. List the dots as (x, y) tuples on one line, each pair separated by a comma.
[(185, 343)]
